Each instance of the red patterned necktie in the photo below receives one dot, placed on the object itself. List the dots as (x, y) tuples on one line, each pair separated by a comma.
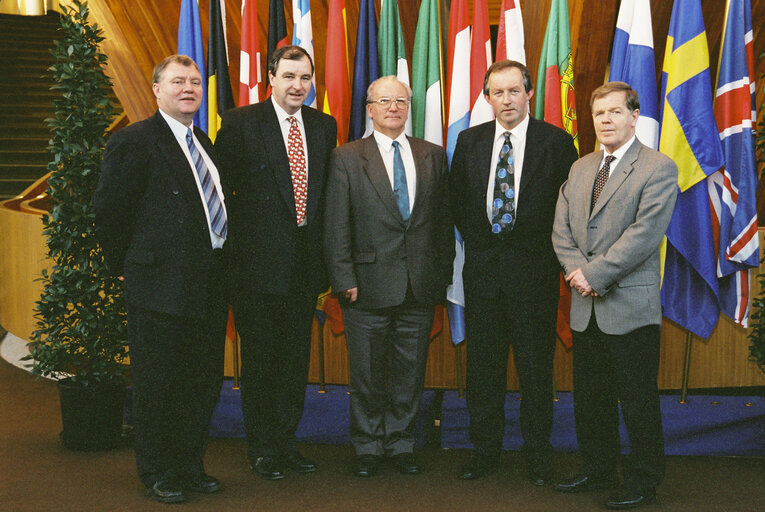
[(601, 179), (297, 168)]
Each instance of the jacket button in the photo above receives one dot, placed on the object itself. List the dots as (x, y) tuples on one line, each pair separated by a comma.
[(589, 253), (176, 191)]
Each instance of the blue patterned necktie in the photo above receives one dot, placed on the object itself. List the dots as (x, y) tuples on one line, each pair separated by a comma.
[(214, 205), (502, 208), (400, 190)]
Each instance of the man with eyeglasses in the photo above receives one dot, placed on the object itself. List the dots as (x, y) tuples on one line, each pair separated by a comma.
[(505, 177), (389, 246)]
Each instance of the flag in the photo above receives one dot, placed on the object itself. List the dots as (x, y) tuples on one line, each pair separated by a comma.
[(391, 48), (688, 135), (277, 27), (365, 69), (480, 60), (219, 96), (426, 109), (250, 79), (302, 35), (555, 104), (555, 79), (632, 62), (732, 189), (510, 41), (337, 97), (190, 43), (458, 95)]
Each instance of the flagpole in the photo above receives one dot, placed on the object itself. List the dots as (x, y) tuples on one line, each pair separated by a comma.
[(686, 367), (235, 359), (458, 357)]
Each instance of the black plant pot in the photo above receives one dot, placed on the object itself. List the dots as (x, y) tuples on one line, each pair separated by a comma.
[(91, 415)]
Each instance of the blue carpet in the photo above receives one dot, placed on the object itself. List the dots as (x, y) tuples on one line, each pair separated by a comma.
[(705, 425)]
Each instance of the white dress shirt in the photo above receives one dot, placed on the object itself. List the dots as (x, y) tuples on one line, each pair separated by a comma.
[(180, 130), (618, 155), (385, 145), (518, 140)]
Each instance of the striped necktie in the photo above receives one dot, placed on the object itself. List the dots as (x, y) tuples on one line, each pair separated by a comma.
[(212, 199)]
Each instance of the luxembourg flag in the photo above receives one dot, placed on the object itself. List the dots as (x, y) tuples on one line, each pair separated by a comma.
[(458, 118), (302, 35), (480, 60), (732, 189), (632, 62), (510, 40)]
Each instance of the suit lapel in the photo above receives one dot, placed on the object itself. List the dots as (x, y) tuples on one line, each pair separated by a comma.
[(315, 178), (374, 167), (179, 166), (271, 133), (618, 175), (423, 167), (531, 156)]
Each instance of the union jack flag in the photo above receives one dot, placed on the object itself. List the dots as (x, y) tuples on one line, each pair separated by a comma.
[(732, 189)]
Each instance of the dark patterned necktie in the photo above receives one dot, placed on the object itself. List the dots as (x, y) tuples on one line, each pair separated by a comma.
[(600, 180), (400, 188), (502, 208), (212, 199)]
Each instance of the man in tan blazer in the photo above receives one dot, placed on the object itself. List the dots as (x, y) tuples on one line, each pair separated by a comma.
[(389, 246), (611, 215)]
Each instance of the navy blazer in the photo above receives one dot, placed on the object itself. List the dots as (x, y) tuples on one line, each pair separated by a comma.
[(150, 219)]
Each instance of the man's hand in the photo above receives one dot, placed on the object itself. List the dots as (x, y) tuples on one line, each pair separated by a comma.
[(578, 282), (350, 295)]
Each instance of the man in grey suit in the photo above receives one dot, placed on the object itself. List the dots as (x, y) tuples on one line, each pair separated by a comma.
[(609, 222), (389, 246)]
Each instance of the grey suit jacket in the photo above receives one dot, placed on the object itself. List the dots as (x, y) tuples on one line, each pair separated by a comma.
[(368, 245), (617, 244)]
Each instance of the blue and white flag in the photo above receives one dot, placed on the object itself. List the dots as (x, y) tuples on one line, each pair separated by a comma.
[(302, 35), (632, 62), (190, 43)]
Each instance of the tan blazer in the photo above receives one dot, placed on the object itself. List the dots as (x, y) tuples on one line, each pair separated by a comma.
[(617, 244)]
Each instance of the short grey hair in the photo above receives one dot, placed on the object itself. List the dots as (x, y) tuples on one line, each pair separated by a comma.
[(388, 78)]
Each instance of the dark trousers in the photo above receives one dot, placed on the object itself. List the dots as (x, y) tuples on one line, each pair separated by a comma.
[(176, 366), (491, 325), (387, 353), (276, 346), (608, 369)]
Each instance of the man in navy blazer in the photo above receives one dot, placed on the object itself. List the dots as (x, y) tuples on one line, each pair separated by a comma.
[(505, 176), (267, 151), (161, 221)]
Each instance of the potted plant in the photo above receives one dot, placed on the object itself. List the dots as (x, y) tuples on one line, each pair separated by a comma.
[(81, 335)]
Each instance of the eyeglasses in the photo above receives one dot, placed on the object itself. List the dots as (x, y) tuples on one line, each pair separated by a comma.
[(387, 102)]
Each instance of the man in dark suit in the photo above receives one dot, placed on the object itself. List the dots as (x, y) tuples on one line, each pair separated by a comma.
[(504, 180), (389, 245), (161, 220), (274, 157), (610, 219)]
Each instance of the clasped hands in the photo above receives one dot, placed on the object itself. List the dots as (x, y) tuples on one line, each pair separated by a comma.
[(578, 282)]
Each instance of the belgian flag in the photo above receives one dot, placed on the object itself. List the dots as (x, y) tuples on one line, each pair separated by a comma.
[(219, 95)]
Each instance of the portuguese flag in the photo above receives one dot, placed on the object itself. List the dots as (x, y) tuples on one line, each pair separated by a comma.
[(555, 104)]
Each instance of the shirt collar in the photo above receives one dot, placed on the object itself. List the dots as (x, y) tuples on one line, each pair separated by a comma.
[(282, 114), (619, 153), (519, 131), (178, 128), (386, 142)]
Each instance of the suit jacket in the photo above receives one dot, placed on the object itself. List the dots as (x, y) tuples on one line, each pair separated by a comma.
[(524, 263), (268, 252), (617, 244), (150, 219), (367, 243)]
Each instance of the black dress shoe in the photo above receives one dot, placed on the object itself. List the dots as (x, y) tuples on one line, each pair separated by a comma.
[(626, 498), (366, 465), (405, 463), (539, 473), (268, 468), (167, 491), (296, 462), (202, 483), (478, 466), (584, 483)]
